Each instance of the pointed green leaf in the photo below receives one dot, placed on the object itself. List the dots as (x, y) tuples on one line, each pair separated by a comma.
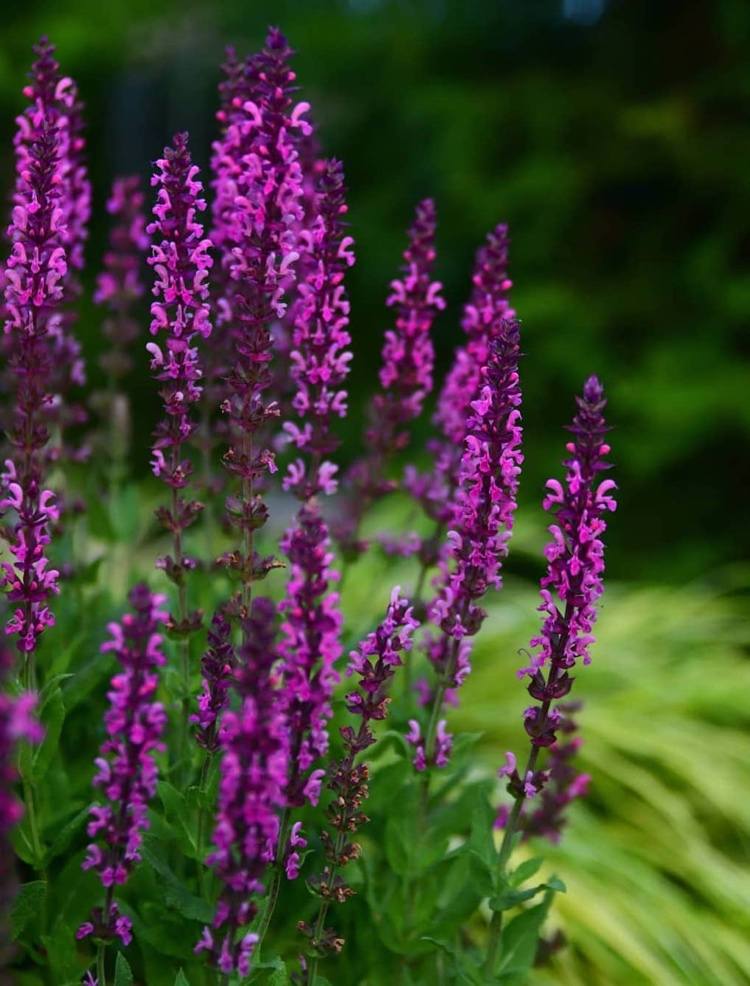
[(181, 979), (123, 974), (29, 901)]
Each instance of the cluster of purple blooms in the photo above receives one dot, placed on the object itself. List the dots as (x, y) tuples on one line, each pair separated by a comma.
[(126, 766), (276, 294)]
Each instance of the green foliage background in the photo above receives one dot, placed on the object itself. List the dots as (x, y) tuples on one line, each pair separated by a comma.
[(614, 139)]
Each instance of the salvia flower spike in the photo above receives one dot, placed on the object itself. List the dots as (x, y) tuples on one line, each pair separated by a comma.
[(570, 590), (254, 742), (264, 191), (481, 526), (180, 316), (35, 276), (406, 373), (126, 766), (374, 662)]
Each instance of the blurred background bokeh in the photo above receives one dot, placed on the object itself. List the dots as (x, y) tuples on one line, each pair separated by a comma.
[(614, 137)]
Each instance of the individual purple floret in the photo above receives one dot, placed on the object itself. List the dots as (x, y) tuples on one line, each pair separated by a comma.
[(320, 355), (309, 649), (569, 590), (34, 278), (374, 662), (481, 524), (217, 667), (119, 284), (126, 766), (251, 794), (181, 263)]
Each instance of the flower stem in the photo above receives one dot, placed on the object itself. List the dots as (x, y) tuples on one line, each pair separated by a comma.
[(101, 973), (273, 890)]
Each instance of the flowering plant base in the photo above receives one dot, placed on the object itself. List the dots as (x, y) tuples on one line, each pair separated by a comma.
[(213, 769)]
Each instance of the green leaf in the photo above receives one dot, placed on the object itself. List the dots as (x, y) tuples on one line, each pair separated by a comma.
[(511, 898), (175, 894), (280, 976), (178, 815), (525, 870), (181, 979), (123, 974), (65, 835), (520, 941), (52, 717), (481, 842), (28, 903)]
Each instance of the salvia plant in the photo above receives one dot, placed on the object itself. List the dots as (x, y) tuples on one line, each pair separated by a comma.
[(207, 773)]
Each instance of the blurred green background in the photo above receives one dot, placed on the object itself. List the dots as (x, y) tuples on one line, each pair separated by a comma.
[(614, 138)]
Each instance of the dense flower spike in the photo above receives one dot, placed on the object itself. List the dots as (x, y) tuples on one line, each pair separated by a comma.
[(405, 376), (261, 180), (487, 309), (375, 662), (320, 356), (483, 320), (181, 263), (482, 522), (569, 590), (217, 666), (575, 556), (34, 279), (309, 649), (119, 284), (251, 792), (54, 99), (126, 767)]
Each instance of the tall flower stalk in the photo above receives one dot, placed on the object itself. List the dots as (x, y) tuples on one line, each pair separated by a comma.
[(253, 741), (481, 526), (126, 766), (408, 358), (180, 260), (484, 315), (119, 287), (570, 590), (375, 662), (34, 279), (311, 627), (260, 181)]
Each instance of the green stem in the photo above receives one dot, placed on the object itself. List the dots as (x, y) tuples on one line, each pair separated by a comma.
[(272, 896), (202, 819), (36, 843), (101, 973), (312, 969)]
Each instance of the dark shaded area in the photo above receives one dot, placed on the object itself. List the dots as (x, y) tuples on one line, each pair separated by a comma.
[(613, 137)]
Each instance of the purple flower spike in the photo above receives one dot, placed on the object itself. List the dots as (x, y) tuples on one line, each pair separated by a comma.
[(259, 188), (251, 793), (126, 766), (482, 523), (35, 276), (217, 666), (309, 649), (570, 590), (374, 662), (181, 263), (487, 309), (119, 284), (575, 555), (320, 355), (408, 353), (406, 378)]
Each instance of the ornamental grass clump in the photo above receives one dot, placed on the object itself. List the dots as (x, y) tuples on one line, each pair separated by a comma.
[(265, 808)]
